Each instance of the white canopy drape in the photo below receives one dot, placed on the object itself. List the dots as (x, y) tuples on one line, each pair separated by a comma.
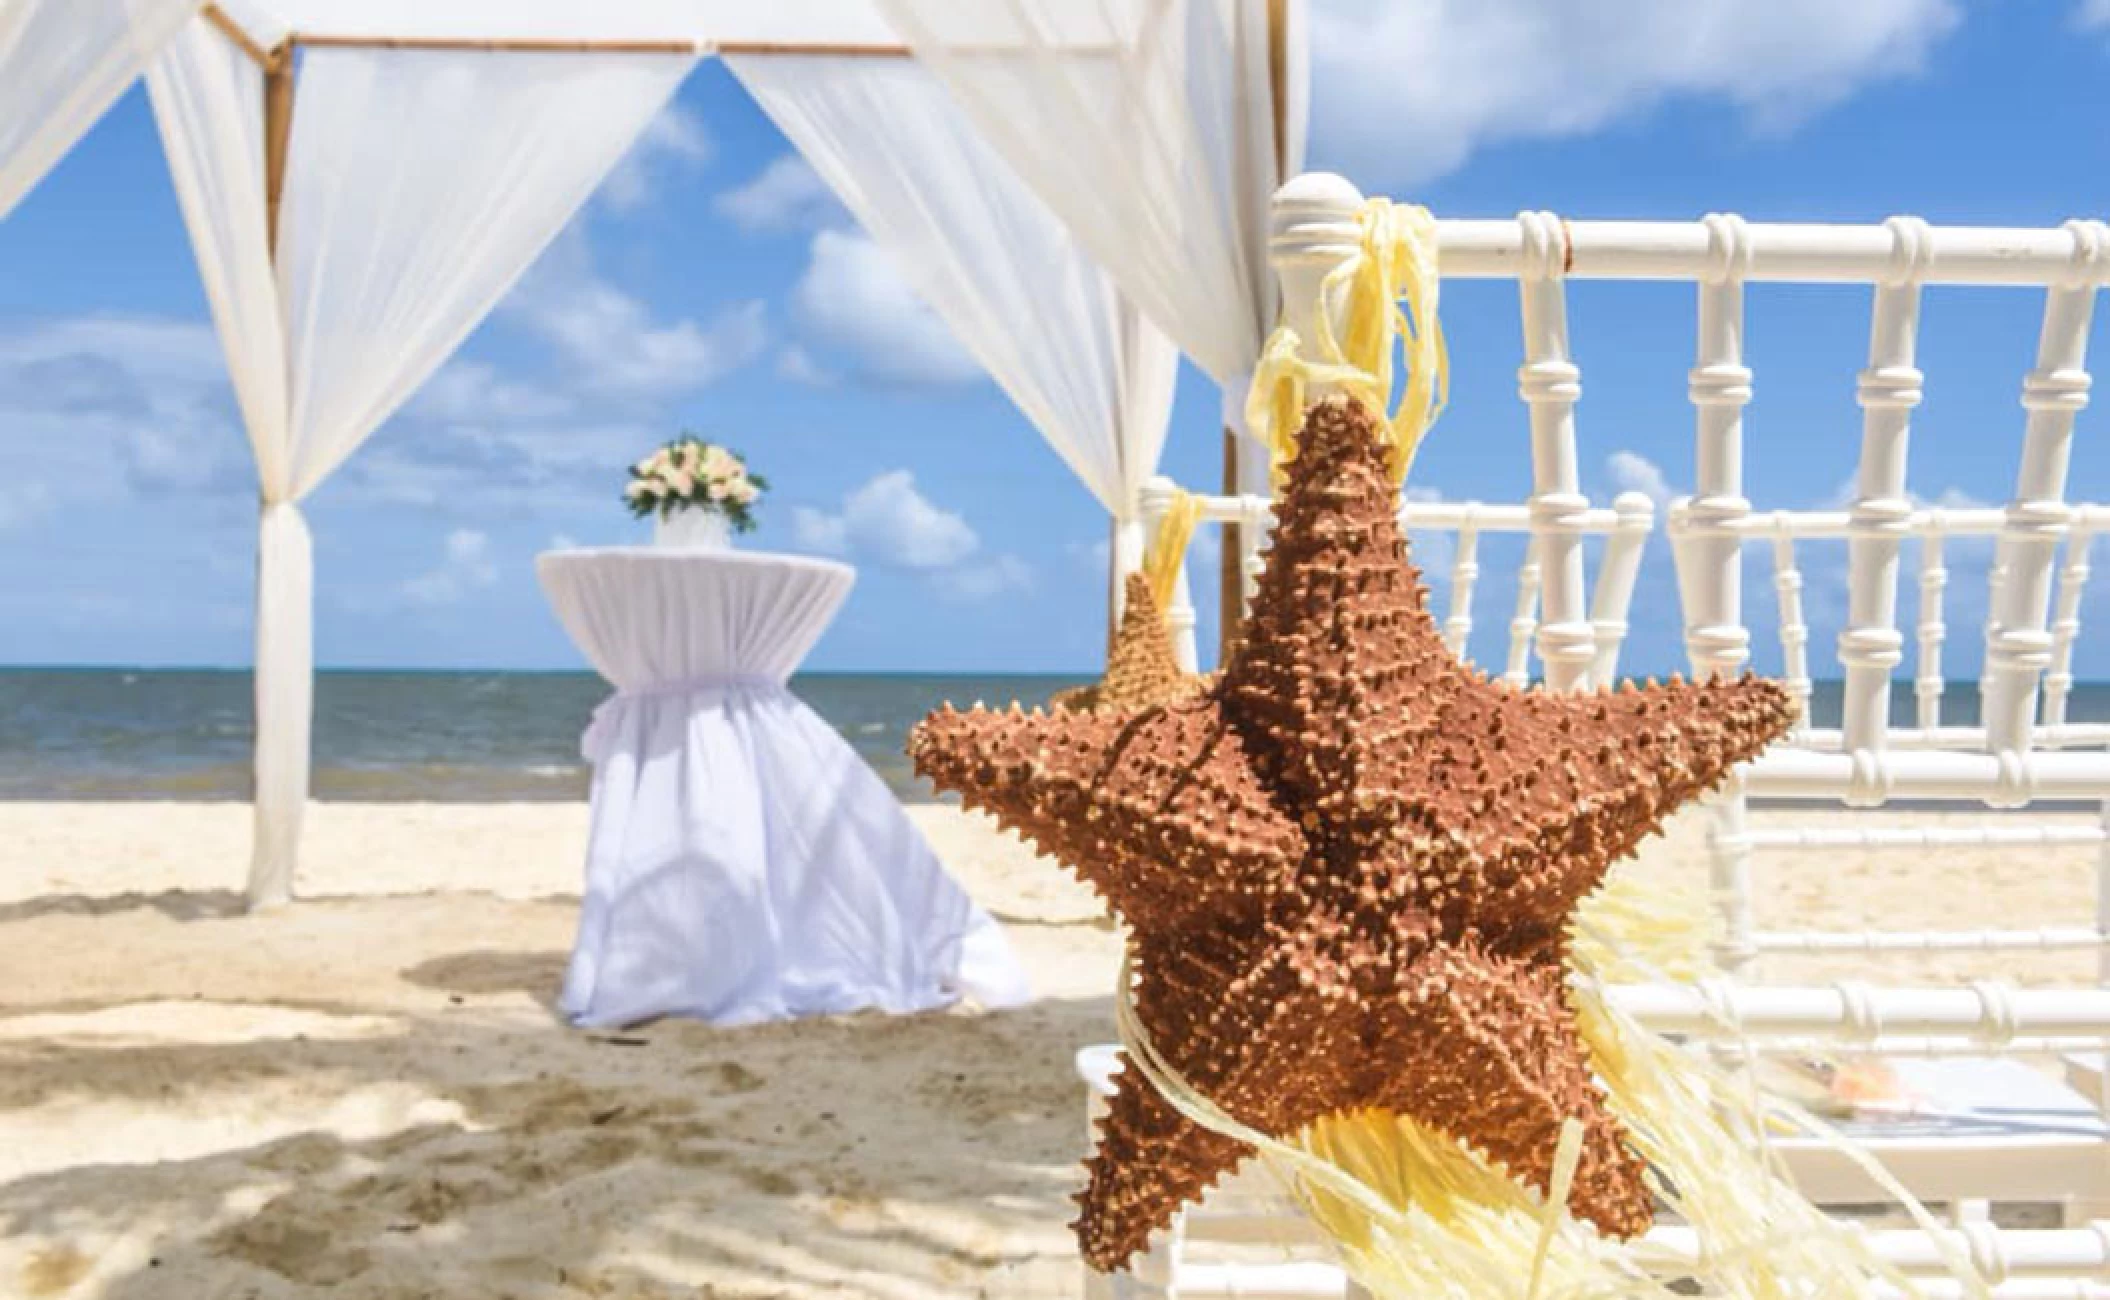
[(992, 260), (387, 256), (1148, 126), (62, 64)]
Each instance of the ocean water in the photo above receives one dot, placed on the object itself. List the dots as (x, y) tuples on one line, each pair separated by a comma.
[(382, 736), (156, 734)]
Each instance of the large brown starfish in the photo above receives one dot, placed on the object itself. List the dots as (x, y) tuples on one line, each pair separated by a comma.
[(1349, 867), (1141, 669)]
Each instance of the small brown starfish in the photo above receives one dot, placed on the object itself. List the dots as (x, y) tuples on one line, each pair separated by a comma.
[(1141, 669), (1349, 867)]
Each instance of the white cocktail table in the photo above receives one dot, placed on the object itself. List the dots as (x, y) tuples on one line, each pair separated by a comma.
[(744, 864)]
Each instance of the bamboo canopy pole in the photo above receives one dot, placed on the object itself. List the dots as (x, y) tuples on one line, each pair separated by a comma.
[(278, 134), (1230, 560)]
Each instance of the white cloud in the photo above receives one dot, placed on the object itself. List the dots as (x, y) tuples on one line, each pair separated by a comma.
[(984, 578), (612, 340), (852, 299), (797, 365), (466, 391), (675, 139), (786, 195), (1092, 555), (98, 410), (1204, 550), (1433, 550), (1633, 472), (1949, 498), (465, 565), (2093, 15), (1466, 73), (890, 521)]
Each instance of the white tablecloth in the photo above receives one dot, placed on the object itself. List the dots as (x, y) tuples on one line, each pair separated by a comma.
[(744, 863)]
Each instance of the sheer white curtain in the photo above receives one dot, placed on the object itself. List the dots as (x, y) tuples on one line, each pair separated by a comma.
[(990, 258), (62, 64), (1149, 127), (419, 185)]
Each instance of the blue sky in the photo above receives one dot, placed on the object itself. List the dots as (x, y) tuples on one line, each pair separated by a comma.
[(712, 286)]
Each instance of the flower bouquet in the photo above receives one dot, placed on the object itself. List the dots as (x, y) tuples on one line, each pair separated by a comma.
[(697, 492)]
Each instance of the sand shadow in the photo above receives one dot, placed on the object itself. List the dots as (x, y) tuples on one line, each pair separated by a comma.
[(729, 1159), (176, 904), (537, 974)]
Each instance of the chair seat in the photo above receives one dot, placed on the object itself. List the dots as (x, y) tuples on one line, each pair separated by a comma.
[(1981, 1128)]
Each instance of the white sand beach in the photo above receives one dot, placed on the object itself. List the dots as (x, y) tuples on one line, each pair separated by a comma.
[(367, 1094)]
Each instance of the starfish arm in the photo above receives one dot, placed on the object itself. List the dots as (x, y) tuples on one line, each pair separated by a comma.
[(1489, 1054), (1158, 811), (1667, 743), (1151, 1160), (1257, 1028), (1607, 769)]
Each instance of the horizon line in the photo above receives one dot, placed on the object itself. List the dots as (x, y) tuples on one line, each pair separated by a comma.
[(582, 671), (352, 670)]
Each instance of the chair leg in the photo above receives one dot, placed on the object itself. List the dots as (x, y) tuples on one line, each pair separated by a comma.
[(2083, 1211), (1157, 1270)]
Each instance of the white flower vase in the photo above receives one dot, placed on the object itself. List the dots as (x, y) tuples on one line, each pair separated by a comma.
[(693, 530)]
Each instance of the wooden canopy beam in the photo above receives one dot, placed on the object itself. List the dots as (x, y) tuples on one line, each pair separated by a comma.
[(233, 31), (522, 44)]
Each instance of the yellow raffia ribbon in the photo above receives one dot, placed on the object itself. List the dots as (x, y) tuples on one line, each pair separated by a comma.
[(1168, 548), (1391, 289)]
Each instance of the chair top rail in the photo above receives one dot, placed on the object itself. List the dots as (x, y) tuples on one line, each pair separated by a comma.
[(1988, 1013), (1800, 525), (1918, 837), (1631, 512), (1867, 778), (2048, 938), (1317, 1280), (2005, 1253), (1901, 250), (2073, 735)]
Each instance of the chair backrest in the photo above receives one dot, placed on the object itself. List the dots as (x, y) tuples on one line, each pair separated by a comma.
[(2019, 751), (2010, 746), (1624, 526)]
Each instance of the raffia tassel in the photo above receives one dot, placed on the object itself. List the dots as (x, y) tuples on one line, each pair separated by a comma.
[(1391, 290), (1167, 549)]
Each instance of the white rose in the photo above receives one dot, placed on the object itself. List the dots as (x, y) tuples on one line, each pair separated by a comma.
[(653, 487), (718, 463), (745, 492), (719, 490), (637, 489), (643, 467), (681, 482), (691, 457)]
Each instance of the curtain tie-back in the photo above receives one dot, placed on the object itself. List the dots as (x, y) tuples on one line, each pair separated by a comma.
[(1391, 290), (1168, 549)]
